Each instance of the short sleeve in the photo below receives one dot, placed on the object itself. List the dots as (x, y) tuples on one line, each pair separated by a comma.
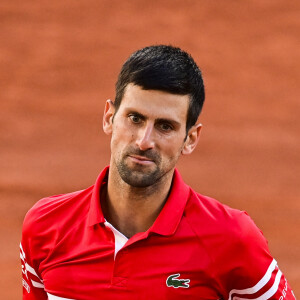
[(33, 286), (254, 272)]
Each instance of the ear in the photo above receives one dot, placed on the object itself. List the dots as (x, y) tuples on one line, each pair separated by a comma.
[(191, 139), (108, 115)]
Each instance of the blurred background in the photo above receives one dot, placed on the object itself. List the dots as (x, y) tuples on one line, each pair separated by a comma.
[(59, 61)]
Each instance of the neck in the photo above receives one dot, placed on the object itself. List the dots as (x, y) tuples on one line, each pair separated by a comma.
[(131, 209)]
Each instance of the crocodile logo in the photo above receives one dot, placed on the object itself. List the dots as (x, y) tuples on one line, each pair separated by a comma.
[(173, 281)]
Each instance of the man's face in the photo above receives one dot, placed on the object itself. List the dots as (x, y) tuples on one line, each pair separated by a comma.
[(148, 135)]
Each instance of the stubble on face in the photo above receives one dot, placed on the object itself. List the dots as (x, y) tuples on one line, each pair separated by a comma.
[(136, 175), (149, 165)]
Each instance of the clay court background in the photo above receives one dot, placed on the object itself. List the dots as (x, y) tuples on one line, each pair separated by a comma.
[(59, 61)]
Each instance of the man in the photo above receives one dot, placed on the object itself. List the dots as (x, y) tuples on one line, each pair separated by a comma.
[(140, 232)]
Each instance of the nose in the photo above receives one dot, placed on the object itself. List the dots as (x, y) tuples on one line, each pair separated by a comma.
[(145, 137)]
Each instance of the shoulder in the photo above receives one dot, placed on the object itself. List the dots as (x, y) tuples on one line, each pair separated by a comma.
[(237, 248), (51, 213), (208, 216)]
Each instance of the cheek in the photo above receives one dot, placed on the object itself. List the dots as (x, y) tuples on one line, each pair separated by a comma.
[(173, 150), (120, 138)]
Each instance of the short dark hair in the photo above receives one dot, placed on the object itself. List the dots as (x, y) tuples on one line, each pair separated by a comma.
[(164, 68)]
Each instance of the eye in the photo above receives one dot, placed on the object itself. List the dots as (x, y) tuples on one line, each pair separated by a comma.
[(136, 119), (165, 127)]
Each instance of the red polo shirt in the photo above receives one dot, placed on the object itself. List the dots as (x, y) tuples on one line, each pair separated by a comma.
[(197, 248)]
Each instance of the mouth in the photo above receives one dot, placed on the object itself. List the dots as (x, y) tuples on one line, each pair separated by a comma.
[(143, 160)]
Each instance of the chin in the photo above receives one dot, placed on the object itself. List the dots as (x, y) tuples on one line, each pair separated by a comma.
[(139, 179)]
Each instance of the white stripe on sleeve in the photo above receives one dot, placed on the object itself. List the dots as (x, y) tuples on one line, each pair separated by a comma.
[(26, 268), (37, 284), (270, 292), (259, 285), (21, 248)]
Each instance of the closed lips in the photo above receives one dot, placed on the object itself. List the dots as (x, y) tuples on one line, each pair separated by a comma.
[(140, 158)]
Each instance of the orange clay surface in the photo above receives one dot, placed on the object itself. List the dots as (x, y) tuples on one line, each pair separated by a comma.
[(59, 61)]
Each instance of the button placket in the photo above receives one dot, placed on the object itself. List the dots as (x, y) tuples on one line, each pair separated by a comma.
[(120, 274)]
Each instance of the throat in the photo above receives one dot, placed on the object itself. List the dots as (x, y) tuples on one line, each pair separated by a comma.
[(131, 215), (132, 210), (131, 218)]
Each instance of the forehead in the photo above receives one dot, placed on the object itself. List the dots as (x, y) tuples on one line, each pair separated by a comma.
[(155, 103)]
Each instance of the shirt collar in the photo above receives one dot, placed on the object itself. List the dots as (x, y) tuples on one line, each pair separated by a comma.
[(171, 214), (169, 217), (95, 212)]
